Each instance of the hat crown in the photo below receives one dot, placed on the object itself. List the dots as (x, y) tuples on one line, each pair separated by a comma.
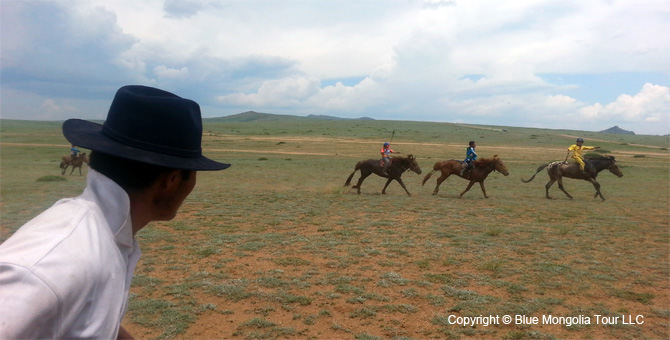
[(147, 125), (155, 120)]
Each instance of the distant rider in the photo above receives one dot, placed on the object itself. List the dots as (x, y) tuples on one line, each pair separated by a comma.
[(577, 155), (386, 157), (74, 152), (470, 157)]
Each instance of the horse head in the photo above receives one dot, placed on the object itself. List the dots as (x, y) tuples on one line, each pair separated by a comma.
[(601, 163), (413, 164), (84, 157), (614, 168), (499, 165)]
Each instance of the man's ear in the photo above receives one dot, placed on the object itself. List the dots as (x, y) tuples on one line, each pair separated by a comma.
[(168, 182)]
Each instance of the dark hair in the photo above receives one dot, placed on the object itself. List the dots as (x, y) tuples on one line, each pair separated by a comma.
[(471, 142), (128, 174)]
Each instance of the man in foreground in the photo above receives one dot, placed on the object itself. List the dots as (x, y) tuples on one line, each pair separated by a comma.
[(67, 272)]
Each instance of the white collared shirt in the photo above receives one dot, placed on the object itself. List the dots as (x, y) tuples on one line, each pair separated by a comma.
[(67, 272)]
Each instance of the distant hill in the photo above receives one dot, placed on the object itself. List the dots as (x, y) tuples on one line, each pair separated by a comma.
[(252, 116), (326, 117), (617, 130)]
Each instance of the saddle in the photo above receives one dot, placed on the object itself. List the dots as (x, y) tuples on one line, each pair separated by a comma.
[(464, 164)]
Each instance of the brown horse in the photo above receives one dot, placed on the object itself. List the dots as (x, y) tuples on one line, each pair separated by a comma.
[(483, 167), (75, 163), (394, 171), (593, 165)]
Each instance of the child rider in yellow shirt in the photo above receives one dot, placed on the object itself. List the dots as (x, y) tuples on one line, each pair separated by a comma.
[(577, 150)]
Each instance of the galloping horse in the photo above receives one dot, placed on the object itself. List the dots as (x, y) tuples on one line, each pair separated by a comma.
[(558, 170), (483, 167), (75, 163), (394, 171)]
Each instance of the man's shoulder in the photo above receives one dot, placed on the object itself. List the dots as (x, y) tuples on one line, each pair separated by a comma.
[(62, 225)]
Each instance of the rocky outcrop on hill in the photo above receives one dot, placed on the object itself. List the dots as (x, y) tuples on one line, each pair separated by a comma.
[(617, 130)]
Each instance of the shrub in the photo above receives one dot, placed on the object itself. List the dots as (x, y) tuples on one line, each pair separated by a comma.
[(52, 178)]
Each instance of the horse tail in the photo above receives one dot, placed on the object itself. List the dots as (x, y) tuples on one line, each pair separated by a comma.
[(348, 182), (62, 164), (436, 166), (425, 179), (540, 168)]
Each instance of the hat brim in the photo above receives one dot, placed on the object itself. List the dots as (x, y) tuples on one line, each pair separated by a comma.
[(89, 135)]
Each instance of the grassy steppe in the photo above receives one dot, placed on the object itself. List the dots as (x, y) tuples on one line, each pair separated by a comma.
[(276, 247)]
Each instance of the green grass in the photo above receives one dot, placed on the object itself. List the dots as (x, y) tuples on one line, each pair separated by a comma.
[(278, 248)]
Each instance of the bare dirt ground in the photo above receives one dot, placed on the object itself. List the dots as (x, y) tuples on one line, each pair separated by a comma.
[(337, 310)]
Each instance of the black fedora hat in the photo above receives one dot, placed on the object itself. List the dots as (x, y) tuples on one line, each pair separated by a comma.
[(147, 125)]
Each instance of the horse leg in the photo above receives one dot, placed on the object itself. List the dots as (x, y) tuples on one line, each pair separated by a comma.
[(439, 181), (73, 167), (560, 186), (597, 186), (481, 184), (64, 167), (388, 181), (549, 184), (402, 184), (364, 175), (346, 184), (468, 188)]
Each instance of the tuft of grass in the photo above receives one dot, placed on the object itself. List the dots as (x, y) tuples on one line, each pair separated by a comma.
[(170, 318), (258, 323), (52, 178), (291, 261), (233, 292), (363, 313), (493, 231), (645, 298)]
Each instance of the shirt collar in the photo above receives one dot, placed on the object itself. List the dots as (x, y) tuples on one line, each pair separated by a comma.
[(114, 204)]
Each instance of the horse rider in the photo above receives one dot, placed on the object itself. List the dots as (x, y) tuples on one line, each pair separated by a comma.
[(74, 152), (470, 157), (386, 157), (577, 150)]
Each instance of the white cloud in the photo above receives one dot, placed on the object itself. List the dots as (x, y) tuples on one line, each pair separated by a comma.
[(650, 105), (52, 110), (163, 71), (428, 60), (281, 93)]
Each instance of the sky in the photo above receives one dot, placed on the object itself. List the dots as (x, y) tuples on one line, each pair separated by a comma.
[(568, 64)]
